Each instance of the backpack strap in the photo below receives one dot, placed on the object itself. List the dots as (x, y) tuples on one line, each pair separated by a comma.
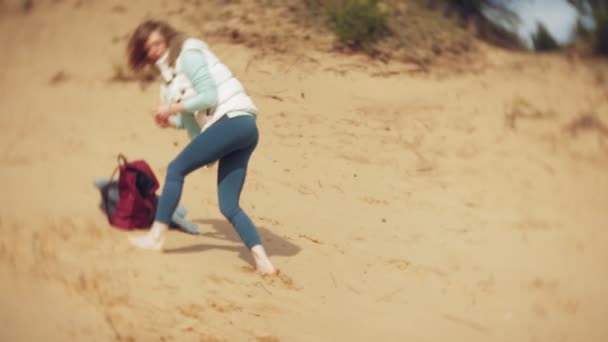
[(105, 200), (122, 160)]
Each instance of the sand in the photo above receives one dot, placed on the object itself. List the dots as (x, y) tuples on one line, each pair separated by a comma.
[(399, 205)]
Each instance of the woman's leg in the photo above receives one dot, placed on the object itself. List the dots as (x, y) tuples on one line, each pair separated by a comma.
[(231, 178), (217, 141)]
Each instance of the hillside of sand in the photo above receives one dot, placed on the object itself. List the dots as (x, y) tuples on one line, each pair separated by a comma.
[(399, 205)]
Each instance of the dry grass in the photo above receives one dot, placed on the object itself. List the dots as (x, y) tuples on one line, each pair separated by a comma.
[(586, 122), (122, 74), (522, 109)]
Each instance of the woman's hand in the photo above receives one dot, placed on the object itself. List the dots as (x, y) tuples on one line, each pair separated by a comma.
[(161, 121), (166, 110), (162, 114)]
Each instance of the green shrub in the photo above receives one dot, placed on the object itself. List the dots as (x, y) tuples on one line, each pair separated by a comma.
[(601, 42), (543, 40), (597, 10), (357, 22), (495, 21)]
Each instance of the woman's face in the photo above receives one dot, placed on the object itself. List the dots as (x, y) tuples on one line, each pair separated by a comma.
[(155, 46)]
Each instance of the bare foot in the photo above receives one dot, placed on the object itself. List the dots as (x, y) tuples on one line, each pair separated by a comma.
[(153, 240), (262, 263), (147, 241)]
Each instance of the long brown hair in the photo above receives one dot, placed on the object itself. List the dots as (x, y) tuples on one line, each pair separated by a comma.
[(136, 50)]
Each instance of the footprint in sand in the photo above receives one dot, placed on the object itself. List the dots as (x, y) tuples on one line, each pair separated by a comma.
[(267, 339), (3, 250), (304, 190), (374, 201), (119, 9), (269, 220), (398, 264), (276, 280), (59, 77), (117, 323), (550, 288), (14, 160), (281, 280), (219, 280), (224, 308), (541, 284), (313, 240), (265, 309), (191, 311)]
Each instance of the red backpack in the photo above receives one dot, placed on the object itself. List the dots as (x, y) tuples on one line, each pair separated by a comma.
[(137, 199)]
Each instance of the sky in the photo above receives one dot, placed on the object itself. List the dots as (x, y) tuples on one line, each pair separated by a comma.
[(558, 16)]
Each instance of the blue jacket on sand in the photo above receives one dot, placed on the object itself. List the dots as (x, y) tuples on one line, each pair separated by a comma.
[(179, 216)]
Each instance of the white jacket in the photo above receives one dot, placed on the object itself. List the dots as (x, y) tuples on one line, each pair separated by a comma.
[(176, 86)]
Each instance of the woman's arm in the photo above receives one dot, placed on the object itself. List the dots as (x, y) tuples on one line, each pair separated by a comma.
[(194, 64), (195, 67)]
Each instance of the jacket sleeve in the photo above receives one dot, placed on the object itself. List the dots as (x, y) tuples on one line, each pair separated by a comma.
[(195, 67)]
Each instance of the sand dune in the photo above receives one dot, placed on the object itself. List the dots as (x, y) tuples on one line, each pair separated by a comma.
[(399, 205)]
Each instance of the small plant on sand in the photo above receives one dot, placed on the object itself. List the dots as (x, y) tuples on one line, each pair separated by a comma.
[(122, 74), (357, 23), (520, 108)]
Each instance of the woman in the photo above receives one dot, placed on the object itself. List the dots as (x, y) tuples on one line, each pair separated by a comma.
[(200, 94)]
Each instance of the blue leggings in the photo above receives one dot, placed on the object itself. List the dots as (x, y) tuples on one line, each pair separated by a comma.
[(231, 141)]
